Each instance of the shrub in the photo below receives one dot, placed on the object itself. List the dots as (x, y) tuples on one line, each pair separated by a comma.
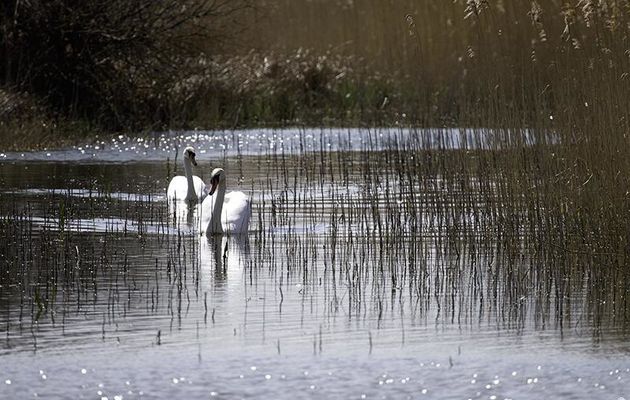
[(108, 61)]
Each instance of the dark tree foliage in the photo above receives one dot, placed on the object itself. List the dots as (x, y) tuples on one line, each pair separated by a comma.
[(109, 61)]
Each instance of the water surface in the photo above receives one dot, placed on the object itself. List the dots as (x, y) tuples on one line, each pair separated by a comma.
[(359, 278)]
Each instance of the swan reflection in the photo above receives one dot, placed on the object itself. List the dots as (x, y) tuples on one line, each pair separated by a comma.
[(184, 216), (222, 256)]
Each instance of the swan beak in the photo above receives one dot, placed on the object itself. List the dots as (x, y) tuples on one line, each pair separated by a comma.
[(214, 182), (192, 158)]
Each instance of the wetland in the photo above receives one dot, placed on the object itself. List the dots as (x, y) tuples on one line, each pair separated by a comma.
[(379, 263)]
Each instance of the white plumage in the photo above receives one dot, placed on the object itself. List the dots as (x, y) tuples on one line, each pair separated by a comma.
[(224, 213), (188, 187)]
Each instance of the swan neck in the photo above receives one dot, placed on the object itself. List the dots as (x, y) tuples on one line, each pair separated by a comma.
[(215, 225), (190, 195)]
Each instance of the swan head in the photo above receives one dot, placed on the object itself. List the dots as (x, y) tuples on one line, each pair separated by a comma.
[(217, 177), (189, 154)]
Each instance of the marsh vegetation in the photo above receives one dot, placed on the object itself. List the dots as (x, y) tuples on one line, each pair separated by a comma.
[(359, 245), (557, 70), (479, 210)]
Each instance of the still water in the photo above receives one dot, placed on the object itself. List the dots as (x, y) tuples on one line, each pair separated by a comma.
[(355, 280)]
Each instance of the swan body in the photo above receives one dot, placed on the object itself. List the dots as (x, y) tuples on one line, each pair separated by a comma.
[(188, 187), (224, 213)]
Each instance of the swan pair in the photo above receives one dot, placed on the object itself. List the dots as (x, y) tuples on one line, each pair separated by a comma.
[(220, 213)]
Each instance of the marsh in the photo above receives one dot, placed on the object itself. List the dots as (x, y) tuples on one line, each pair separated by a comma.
[(379, 263)]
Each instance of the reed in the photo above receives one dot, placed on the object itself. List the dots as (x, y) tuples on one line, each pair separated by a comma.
[(554, 71), (523, 225), (407, 234)]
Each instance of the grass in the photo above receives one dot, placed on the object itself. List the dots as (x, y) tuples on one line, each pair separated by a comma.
[(517, 234), (538, 66), (251, 90), (382, 237), (543, 66)]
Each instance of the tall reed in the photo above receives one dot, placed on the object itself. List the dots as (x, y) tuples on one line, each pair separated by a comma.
[(556, 69)]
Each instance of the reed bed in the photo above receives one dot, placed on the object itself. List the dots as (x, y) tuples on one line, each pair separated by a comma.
[(527, 231), (443, 231), (557, 69), (69, 258), (407, 234)]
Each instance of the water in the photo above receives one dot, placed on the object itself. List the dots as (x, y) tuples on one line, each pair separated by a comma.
[(355, 281), (272, 141)]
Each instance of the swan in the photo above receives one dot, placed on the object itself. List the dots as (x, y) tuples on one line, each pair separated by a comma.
[(224, 213), (190, 186)]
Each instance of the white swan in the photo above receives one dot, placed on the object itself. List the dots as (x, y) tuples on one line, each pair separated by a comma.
[(189, 187), (222, 212)]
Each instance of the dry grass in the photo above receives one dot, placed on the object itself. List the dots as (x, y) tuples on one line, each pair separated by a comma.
[(548, 66), (515, 235), (557, 69)]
